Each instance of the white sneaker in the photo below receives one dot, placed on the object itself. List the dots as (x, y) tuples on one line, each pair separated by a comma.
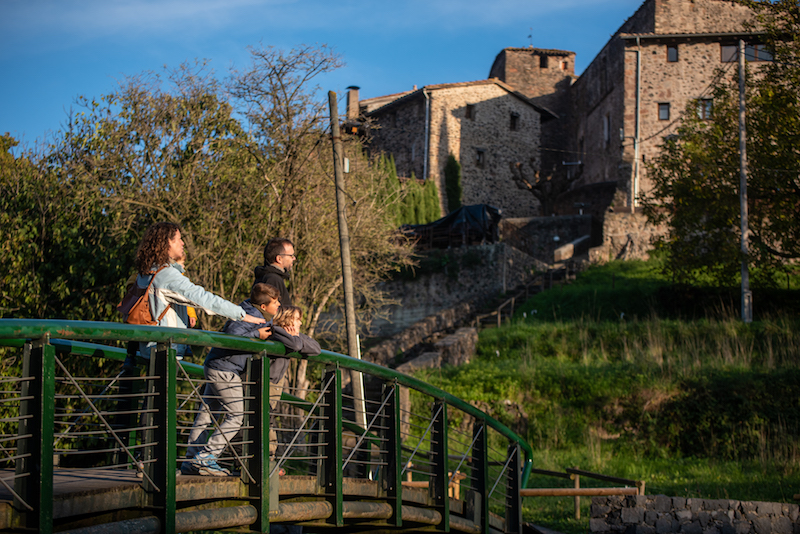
[(207, 466)]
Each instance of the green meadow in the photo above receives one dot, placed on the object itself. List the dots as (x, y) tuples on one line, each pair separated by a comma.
[(622, 373)]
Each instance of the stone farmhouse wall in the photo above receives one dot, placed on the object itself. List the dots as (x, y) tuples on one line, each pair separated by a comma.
[(659, 514), (400, 131), (472, 121), (604, 97), (486, 137), (545, 76), (472, 274), (546, 82)]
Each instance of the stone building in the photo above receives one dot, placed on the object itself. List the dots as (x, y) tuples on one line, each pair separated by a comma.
[(545, 76), (486, 125), (616, 114)]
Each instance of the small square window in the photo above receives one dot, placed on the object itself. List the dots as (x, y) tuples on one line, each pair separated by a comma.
[(672, 53), (480, 158), (762, 53), (729, 53), (564, 65), (704, 108), (663, 112), (543, 62), (470, 112), (514, 125)]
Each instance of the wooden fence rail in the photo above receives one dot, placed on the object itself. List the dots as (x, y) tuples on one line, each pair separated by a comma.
[(577, 492)]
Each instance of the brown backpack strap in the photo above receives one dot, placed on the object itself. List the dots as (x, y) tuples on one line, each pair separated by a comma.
[(147, 291)]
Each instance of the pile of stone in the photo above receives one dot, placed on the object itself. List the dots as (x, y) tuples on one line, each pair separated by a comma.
[(659, 514)]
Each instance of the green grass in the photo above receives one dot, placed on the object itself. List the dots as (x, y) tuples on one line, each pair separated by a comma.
[(621, 373)]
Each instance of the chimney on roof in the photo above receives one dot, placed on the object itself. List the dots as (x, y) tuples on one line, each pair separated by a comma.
[(352, 102)]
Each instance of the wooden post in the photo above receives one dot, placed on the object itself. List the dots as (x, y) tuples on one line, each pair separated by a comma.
[(640, 486), (577, 485)]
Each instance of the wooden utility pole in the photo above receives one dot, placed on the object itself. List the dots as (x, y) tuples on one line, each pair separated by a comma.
[(747, 295), (347, 272)]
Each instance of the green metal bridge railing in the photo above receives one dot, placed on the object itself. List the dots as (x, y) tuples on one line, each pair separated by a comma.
[(425, 459)]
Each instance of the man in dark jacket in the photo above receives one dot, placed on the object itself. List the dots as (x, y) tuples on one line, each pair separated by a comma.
[(278, 260), (224, 391)]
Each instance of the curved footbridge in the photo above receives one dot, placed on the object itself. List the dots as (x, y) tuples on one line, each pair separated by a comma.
[(93, 437)]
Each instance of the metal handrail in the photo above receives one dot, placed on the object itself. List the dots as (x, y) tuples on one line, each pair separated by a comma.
[(164, 392), (80, 330)]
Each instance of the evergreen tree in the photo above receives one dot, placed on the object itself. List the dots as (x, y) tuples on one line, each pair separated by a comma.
[(452, 183)]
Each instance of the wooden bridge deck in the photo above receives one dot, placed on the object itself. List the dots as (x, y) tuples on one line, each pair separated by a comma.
[(93, 496)]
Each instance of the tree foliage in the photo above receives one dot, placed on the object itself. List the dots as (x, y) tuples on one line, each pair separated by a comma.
[(234, 162), (452, 183), (696, 176), (412, 201)]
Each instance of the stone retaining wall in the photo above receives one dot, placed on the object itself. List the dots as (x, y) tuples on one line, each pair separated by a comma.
[(659, 514)]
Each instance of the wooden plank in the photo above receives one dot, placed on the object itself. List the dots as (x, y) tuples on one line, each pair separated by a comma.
[(598, 476), (573, 492)]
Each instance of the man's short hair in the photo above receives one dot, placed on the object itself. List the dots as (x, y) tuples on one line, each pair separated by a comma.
[(274, 247), (262, 293)]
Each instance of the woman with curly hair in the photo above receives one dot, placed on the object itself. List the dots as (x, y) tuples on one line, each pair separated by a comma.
[(157, 259)]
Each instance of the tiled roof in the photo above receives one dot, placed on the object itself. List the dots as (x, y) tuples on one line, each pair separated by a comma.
[(491, 81), (544, 51)]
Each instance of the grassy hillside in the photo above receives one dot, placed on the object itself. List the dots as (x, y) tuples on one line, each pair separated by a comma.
[(623, 374)]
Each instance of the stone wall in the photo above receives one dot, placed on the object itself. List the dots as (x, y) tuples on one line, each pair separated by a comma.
[(469, 274), (536, 235), (472, 121), (547, 86), (489, 133), (659, 514), (626, 236)]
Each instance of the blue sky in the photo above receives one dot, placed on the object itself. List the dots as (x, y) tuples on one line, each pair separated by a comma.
[(52, 51)]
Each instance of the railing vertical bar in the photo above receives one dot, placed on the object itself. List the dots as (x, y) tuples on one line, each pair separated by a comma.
[(480, 463), (513, 498), (163, 366), (256, 438), (36, 420), (331, 471), (392, 454), (438, 485)]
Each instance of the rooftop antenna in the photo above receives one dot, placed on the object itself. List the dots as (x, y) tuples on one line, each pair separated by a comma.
[(530, 37)]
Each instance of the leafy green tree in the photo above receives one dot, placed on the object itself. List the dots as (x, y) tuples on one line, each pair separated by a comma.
[(234, 163), (56, 257), (452, 181), (696, 176)]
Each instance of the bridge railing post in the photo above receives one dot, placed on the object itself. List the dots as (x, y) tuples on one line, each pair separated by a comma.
[(480, 470), (439, 450), (256, 454), (330, 475), (513, 497), (34, 467), (161, 441), (390, 479)]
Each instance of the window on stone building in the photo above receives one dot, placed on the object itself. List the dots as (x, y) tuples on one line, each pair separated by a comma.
[(514, 125), (663, 111), (757, 52), (672, 53), (729, 53), (564, 65), (470, 112), (543, 62), (480, 158), (704, 108), (606, 129)]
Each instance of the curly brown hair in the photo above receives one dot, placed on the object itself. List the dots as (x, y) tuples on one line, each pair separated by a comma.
[(154, 247)]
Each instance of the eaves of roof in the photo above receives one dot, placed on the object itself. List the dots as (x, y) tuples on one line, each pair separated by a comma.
[(413, 95), (543, 51), (688, 36)]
